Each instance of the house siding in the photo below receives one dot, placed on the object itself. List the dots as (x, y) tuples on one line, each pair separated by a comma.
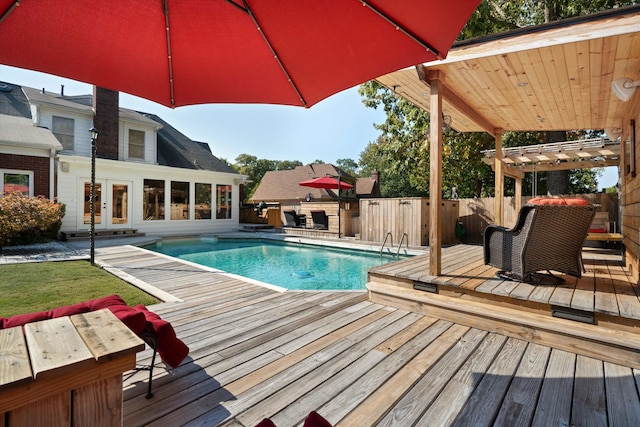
[(71, 182), (631, 190), (67, 174), (82, 124)]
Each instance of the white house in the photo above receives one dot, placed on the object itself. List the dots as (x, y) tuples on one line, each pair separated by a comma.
[(149, 176)]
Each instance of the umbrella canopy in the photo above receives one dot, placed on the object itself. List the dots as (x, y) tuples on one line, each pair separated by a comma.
[(182, 52), (326, 182)]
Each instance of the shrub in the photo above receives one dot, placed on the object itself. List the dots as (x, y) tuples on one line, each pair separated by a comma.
[(25, 220)]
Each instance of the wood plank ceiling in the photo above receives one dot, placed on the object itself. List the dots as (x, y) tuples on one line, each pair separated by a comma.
[(550, 77)]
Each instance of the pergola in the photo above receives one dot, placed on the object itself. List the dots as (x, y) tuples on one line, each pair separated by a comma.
[(567, 155), (550, 77)]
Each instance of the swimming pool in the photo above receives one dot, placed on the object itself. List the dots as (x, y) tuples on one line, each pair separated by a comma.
[(289, 265)]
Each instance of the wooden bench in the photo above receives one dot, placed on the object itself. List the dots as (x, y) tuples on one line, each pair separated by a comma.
[(66, 370), (604, 237)]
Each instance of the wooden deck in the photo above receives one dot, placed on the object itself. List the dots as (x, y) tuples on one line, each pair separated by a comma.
[(259, 353)]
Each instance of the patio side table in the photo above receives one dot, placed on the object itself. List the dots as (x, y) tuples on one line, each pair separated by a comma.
[(66, 371)]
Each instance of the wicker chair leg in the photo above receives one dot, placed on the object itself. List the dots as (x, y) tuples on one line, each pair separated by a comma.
[(544, 279)]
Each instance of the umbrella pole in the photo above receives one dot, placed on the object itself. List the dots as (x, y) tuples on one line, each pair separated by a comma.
[(339, 227)]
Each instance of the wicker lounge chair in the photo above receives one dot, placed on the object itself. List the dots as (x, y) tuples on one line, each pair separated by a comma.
[(292, 219), (320, 220), (546, 237)]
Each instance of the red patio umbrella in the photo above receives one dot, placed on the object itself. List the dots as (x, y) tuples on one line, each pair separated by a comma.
[(330, 183), (327, 182), (182, 52)]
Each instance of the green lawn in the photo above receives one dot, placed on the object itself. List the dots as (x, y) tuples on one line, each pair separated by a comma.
[(41, 286)]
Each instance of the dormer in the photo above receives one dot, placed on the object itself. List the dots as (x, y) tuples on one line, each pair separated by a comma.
[(124, 135)]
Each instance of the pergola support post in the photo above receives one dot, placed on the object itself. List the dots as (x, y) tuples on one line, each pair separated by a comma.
[(498, 205), (435, 173), (518, 195)]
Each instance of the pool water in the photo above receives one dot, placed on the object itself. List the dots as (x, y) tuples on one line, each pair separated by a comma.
[(291, 266)]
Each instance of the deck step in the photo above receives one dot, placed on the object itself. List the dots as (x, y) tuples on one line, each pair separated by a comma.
[(100, 234), (597, 341)]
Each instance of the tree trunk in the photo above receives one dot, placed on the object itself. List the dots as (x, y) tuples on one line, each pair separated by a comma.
[(557, 181)]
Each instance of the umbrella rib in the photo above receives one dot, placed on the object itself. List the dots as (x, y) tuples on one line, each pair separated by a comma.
[(10, 9), (248, 10), (398, 27), (165, 8)]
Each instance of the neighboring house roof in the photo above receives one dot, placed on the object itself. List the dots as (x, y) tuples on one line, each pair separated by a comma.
[(367, 187), (175, 149), (20, 132), (283, 185)]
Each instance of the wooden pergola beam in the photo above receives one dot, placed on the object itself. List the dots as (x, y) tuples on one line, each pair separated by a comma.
[(456, 101)]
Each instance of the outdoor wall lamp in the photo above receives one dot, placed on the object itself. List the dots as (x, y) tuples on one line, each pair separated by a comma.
[(624, 88), (93, 132)]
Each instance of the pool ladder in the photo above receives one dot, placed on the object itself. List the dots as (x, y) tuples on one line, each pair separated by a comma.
[(384, 242)]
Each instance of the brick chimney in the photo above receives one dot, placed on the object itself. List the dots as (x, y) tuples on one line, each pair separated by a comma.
[(375, 175), (106, 118)]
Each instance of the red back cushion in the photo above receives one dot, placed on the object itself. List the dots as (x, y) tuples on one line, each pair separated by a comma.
[(131, 317), (70, 310), (170, 348), (564, 201), (23, 319)]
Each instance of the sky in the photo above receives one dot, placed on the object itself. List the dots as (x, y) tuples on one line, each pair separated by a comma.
[(337, 128)]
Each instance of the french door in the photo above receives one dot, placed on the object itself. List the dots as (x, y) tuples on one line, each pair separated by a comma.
[(112, 204)]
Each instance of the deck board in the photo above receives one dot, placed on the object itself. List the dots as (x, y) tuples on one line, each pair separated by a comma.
[(257, 353)]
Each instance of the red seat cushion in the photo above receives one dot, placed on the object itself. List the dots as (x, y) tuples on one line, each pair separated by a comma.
[(564, 201)]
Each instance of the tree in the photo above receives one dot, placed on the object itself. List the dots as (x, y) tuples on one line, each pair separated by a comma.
[(350, 166), (402, 151), (393, 183)]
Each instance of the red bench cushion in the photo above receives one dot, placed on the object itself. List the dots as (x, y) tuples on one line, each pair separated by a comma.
[(171, 349)]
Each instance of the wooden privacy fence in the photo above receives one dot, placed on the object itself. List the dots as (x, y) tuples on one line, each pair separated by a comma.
[(374, 218), (405, 215), (411, 215)]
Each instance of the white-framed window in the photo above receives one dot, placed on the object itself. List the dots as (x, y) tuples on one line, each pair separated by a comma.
[(179, 200), (16, 181), (136, 144), (203, 201), (223, 201), (63, 129), (153, 201)]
